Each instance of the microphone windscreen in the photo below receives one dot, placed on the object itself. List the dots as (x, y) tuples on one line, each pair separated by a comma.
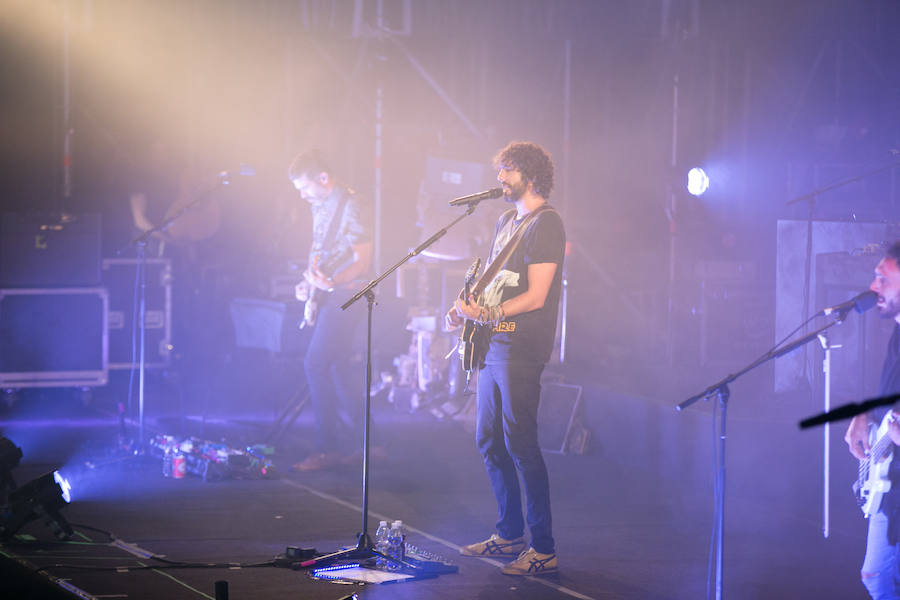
[(865, 301)]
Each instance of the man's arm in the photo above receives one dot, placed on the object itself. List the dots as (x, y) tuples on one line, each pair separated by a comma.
[(857, 436), (540, 278), (302, 290), (362, 258)]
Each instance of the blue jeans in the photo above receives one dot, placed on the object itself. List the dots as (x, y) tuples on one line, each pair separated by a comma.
[(334, 380), (880, 563), (507, 436)]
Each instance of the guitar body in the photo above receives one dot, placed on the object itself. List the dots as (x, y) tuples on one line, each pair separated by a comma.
[(873, 481), (470, 351), (330, 264)]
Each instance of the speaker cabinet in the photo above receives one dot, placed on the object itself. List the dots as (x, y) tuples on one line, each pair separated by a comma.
[(119, 277), (54, 337), (49, 250)]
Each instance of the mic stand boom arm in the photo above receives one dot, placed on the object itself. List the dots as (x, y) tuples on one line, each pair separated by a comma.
[(140, 243), (412, 254), (841, 183), (201, 196), (714, 388)]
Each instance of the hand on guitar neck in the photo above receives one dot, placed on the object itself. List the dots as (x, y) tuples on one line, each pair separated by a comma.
[(858, 436), (465, 306), (874, 446)]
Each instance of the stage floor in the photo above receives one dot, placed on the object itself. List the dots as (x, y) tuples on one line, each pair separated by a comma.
[(632, 516)]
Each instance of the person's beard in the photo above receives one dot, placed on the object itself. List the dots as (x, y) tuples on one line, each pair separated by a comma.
[(516, 191), (890, 309)]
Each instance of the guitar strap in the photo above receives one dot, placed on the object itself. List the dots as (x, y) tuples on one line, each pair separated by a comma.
[(498, 263), (331, 234)]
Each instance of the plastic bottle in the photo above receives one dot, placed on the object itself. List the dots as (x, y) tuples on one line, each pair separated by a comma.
[(167, 464), (402, 554), (381, 544), (395, 542)]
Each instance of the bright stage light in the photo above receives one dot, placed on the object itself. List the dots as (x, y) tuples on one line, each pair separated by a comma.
[(40, 498), (64, 486), (697, 181)]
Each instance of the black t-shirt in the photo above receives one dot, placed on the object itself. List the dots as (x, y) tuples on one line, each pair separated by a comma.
[(527, 337)]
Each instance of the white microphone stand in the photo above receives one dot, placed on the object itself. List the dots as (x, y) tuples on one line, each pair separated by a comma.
[(826, 444)]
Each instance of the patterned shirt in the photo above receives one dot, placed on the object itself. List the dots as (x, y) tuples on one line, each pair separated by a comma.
[(332, 245)]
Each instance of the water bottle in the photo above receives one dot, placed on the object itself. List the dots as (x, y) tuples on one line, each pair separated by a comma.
[(402, 553), (395, 545), (381, 544), (167, 464)]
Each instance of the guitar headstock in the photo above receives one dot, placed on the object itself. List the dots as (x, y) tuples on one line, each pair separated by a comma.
[(472, 273)]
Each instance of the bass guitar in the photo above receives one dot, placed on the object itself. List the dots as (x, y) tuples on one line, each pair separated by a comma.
[(873, 482)]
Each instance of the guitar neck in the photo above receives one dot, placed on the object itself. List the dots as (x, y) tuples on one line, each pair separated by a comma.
[(881, 447)]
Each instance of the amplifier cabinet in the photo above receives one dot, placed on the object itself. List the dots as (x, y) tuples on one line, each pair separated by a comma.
[(119, 277), (53, 337), (49, 250)]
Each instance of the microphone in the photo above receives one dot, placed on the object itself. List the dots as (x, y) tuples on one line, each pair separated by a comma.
[(860, 303), (491, 193)]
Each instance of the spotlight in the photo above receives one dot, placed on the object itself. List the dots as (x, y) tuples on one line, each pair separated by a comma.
[(40, 498), (64, 486), (697, 181)]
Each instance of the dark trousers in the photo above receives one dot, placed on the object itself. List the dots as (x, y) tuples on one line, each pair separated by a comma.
[(507, 437), (335, 380)]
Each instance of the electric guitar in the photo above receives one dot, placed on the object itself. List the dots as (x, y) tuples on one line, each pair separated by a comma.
[(469, 352), (330, 264), (873, 482)]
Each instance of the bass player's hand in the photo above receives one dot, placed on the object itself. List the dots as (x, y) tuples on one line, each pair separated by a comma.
[(857, 436), (894, 429)]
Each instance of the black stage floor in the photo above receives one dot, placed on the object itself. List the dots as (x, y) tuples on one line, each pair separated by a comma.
[(632, 516)]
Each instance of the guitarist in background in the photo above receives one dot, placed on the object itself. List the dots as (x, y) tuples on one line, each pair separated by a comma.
[(879, 572), (339, 258), (517, 313)]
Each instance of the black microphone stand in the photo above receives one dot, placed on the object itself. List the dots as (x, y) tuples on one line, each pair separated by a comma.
[(721, 391), (364, 548), (140, 245)]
